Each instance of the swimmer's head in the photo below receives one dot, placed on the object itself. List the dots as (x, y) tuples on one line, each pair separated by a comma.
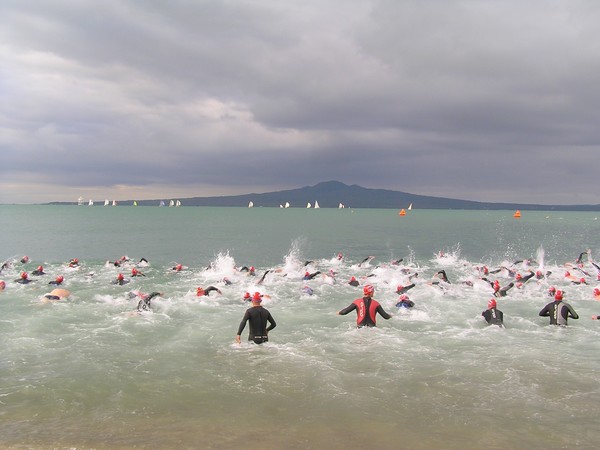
[(2, 285), (24, 275), (199, 292), (403, 297), (134, 271), (25, 259), (518, 276), (558, 296), (368, 290), (247, 296), (596, 291), (60, 279), (120, 277), (491, 303), (256, 298)]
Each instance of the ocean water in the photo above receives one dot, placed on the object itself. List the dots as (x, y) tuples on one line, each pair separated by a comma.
[(90, 372)]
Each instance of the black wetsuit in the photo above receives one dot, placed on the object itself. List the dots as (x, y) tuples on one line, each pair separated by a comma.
[(353, 283), (209, 289), (559, 312), (403, 289), (258, 317), (144, 303), (310, 276), (493, 316)]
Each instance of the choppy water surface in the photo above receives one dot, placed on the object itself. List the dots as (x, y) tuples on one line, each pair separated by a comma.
[(90, 372)]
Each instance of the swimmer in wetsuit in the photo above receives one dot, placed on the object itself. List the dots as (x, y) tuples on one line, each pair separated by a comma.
[(258, 317), (201, 291), (58, 281), (492, 315), (558, 311), (366, 309), (353, 281), (24, 279), (144, 303), (404, 302), (310, 276)]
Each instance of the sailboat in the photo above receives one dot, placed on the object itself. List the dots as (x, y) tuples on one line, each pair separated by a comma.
[(134, 203), (177, 203), (161, 203), (280, 205), (106, 202), (80, 201), (308, 205), (91, 202), (341, 206), (402, 212), (317, 204), (171, 203), (114, 203), (287, 205), (410, 207), (250, 204)]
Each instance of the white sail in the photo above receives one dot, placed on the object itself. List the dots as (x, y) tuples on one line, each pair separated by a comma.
[(341, 206), (134, 203), (161, 203), (410, 207), (106, 202), (80, 201), (317, 204), (308, 205), (171, 203), (280, 205), (114, 203), (177, 203), (91, 202), (287, 205), (250, 204)]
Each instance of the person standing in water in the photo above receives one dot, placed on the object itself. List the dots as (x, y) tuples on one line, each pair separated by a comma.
[(492, 315), (258, 317), (366, 309), (558, 311)]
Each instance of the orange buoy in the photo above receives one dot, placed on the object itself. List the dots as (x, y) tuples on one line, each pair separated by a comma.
[(517, 214), (402, 212)]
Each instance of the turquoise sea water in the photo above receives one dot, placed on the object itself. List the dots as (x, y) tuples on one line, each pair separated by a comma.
[(87, 372)]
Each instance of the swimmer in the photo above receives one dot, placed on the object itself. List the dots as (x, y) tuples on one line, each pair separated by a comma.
[(137, 273), (58, 281), (38, 271), (258, 317), (200, 291), (177, 267), (400, 289), (74, 262), (120, 280), (247, 297), (493, 315), (521, 280), (353, 281), (597, 294), (396, 262), (263, 277), (2, 285), (404, 302), (366, 260), (145, 301), (366, 309), (226, 281), (307, 290), (441, 274), (558, 311), (25, 259), (24, 279), (310, 276)]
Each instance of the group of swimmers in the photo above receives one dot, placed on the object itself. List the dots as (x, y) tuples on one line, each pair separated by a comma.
[(519, 273)]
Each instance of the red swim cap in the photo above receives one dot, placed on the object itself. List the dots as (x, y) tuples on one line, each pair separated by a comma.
[(558, 296), (368, 290), (247, 295), (596, 291), (60, 279), (199, 291), (403, 297), (257, 298), (120, 276), (491, 303), (134, 271), (24, 275), (2, 284)]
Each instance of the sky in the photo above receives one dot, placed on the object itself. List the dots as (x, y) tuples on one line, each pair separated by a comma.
[(486, 100)]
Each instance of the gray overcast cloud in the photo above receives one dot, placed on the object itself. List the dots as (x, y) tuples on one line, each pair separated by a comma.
[(480, 100)]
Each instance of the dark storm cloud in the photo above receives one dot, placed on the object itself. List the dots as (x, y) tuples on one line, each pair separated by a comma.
[(493, 101)]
